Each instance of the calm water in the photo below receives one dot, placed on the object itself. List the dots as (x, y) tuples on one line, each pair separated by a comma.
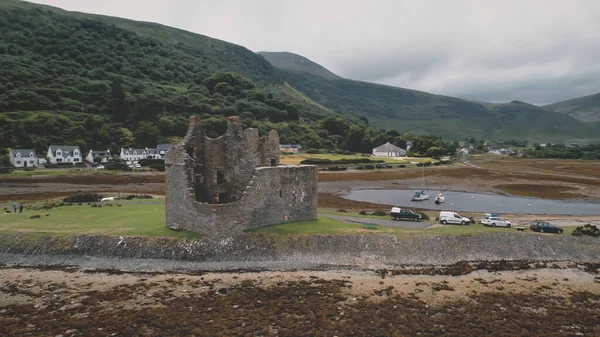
[(477, 202)]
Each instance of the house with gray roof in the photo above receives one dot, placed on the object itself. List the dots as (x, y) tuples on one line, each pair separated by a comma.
[(133, 155), (163, 149), (98, 156), (23, 158), (64, 154), (389, 150)]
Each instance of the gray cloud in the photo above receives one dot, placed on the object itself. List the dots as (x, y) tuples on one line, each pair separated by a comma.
[(538, 51)]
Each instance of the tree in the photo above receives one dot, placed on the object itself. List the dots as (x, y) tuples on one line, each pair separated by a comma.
[(118, 104), (146, 134)]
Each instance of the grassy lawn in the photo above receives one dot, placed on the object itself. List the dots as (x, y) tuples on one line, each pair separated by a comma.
[(128, 219), (295, 159), (149, 220)]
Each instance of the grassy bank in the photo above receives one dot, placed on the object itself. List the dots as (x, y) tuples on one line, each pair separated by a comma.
[(148, 219), (295, 159), (127, 219)]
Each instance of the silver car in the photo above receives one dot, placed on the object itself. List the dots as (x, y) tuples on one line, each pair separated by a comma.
[(496, 222)]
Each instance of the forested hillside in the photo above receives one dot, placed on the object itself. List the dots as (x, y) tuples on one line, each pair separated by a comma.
[(411, 110), (102, 82)]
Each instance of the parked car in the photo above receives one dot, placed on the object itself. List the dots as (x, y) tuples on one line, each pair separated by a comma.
[(447, 217), (397, 213), (545, 227), (496, 222), (487, 216), (98, 167)]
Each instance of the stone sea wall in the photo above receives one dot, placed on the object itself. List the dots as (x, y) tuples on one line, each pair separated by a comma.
[(332, 250)]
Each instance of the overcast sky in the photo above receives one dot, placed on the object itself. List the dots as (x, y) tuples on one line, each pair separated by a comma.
[(535, 51)]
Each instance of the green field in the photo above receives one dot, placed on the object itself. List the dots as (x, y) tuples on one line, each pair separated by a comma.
[(127, 219), (148, 219), (295, 159)]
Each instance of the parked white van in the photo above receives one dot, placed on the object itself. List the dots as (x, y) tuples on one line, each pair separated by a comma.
[(452, 217)]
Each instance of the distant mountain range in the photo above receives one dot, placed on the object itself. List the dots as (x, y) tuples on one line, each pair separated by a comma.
[(95, 79), (411, 110), (585, 109)]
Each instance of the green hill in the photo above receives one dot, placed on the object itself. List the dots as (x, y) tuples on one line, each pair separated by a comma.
[(297, 63), (411, 110), (98, 82), (585, 109)]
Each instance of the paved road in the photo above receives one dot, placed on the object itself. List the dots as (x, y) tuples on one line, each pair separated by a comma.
[(380, 222)]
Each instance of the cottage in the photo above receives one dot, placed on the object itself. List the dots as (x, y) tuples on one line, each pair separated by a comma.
[(163, 149), (23, 157), (98, 156), (389, 150), (64, 154), (133, 155), (290, 148)]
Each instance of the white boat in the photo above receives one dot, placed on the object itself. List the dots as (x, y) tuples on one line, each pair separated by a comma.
[(420, 196), (440, 199)]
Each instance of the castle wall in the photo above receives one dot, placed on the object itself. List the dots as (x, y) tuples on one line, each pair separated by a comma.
[(221, 186)]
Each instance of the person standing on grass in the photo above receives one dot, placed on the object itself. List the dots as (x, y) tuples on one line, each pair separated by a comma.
[(21, 208), (14, 207)]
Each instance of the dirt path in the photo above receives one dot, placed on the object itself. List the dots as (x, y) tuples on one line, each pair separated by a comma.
[(562, 301)]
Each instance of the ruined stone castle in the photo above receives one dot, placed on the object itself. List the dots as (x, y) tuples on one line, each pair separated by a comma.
[(217, 187)]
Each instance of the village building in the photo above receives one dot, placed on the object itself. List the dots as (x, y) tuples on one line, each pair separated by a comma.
[(133, 155), (163, 149), (23, 158), (219, 187), (290, 148), (58, 154), (98, 156), (389, 150)]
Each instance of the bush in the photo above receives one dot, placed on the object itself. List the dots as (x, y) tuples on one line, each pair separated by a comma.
[(472, 220), (341, 210), (401, 166), (589, 230), (29, 169), (79, 198), (36, 216), (158, 167), (93, 205), (427, 163), (370, 167), (419, 164), (150, 162), (424, 216), (362, 212), (117, 166), (379, 213), (133, 196), (336, 168)]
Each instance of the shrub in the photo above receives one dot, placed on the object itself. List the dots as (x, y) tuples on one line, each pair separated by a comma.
[(472, 220), (341, 210), (47, 214), (362, 212), (419, 164), (369, 167), (36, 216), (336, 168), (117, 166), (158, 167), (427, 163), (93, 205), (30, 168), (79, 198), (401, 166), (149, 162), (590, 230), (424, 216), (379, 213)]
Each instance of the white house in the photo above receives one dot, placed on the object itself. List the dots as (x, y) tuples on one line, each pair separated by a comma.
[(64, 154), (103, 156), (133, 155), (23, 157), (163, 149), (290, 148), (389, 150)]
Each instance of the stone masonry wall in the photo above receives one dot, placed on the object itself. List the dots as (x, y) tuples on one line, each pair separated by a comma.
[(233, 183)]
